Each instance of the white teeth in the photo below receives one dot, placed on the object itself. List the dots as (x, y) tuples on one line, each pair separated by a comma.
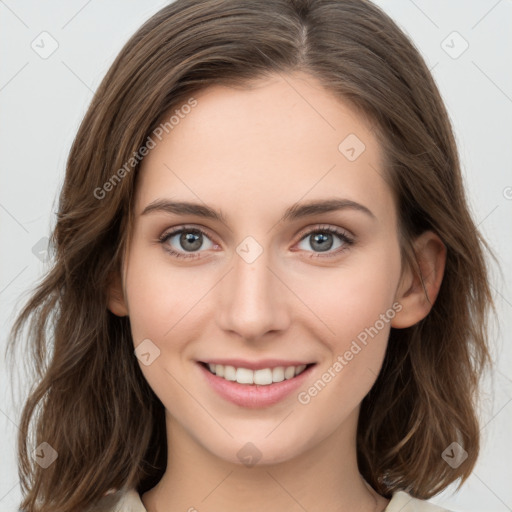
[(278, 374), (244, 376), (229, 372), (300, 369), (262, 377), (289, 372)]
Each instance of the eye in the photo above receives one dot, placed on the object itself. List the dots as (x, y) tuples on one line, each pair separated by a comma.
[(188, 241), (323, 238)]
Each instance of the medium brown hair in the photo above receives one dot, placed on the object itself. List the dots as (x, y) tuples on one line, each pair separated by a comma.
[(91, 402)]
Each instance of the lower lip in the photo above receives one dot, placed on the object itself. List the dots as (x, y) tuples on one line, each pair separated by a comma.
[(254, 396)]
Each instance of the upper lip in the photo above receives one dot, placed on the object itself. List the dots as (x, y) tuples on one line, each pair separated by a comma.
[(256, 365)]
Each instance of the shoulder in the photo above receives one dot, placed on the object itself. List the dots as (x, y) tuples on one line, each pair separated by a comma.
[(125, 500), (129, 501), (403, 502)]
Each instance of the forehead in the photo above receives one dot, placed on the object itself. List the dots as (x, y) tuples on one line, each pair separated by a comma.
[(248, 150)]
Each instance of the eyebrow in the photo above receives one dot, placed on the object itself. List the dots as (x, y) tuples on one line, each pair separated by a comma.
[(297, 211)]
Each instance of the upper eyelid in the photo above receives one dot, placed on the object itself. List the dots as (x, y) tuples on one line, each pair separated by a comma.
[(178, 229), (326, 227)]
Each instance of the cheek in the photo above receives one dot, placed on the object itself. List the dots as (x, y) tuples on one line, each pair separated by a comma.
[(352, 297), (358, 314), (354, 306), (160, 296), (161, 303)]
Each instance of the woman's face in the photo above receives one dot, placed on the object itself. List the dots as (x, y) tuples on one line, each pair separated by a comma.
[(264, 285)]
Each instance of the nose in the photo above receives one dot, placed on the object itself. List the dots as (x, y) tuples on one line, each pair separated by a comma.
[(252, 299)]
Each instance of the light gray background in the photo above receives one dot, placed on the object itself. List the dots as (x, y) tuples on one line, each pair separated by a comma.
[(43, 100)]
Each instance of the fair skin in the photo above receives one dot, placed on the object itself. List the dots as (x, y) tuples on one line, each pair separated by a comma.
[(250, 154)]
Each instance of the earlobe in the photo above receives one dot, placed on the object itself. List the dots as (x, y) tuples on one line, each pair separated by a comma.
[(418, 292), (116, 301)]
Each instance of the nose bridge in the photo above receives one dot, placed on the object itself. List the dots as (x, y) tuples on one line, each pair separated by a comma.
[(252, 300)]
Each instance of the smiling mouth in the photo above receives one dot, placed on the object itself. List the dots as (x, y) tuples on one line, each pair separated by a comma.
[(262, 377)]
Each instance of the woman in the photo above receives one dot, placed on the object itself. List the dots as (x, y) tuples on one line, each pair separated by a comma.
[(268, 290)]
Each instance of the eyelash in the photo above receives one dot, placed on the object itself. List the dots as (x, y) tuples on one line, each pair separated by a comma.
[(342, 235)]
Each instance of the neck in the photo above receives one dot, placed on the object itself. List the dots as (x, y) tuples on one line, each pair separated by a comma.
[(322, 477)]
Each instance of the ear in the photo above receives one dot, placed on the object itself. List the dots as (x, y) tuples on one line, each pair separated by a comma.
[(417, 293), (116, 301)]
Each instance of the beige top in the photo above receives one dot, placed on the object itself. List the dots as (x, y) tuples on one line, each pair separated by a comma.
[(131, 502)]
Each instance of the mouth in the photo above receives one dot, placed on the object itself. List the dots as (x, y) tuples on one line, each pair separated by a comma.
[(264, 376), (260, 387)]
